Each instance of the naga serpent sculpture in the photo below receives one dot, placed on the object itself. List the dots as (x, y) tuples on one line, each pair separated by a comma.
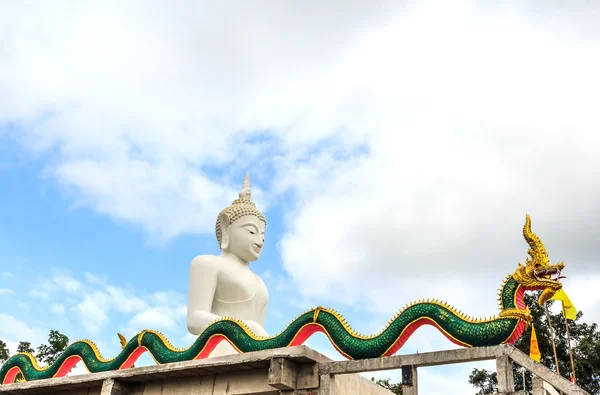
[(536, 274)]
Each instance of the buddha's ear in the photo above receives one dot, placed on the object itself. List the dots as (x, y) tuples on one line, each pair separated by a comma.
[(225, 230)]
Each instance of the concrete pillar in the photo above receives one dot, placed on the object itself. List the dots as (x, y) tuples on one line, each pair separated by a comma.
[(409, 380), (283, 374), (506, 381), (113, 387), (537, 385), (325, 387)]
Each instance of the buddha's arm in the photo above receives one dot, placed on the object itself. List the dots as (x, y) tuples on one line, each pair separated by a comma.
[(263, 311), (202, 286), (263, 315)]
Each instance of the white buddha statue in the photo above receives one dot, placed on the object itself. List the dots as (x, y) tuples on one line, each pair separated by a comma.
[(224, 286)]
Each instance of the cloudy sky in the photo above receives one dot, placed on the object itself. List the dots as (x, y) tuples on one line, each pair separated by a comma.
[(394, 148)]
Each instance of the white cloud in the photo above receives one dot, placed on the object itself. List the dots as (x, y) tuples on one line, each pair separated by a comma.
[(7, 275), (163, 310), (39, 294), (57, 308), (67, 283), (124, 301), (93, 310), (461, 146), (400, 144), (6, 291), (13, 331), (159, 318), (95, 278), (57, 283)]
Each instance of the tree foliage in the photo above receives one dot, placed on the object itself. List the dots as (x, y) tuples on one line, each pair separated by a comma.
[(395, 388), (25, 347), (585, 343), (57, 342), (47, 353), (4, 353)]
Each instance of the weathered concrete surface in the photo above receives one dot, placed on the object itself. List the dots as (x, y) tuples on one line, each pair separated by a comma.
[(243, 382), (355, 384), (286, 371), (537, 386), (293, 369), (554, 379), (418, 360), (504, 372), (410, 380)]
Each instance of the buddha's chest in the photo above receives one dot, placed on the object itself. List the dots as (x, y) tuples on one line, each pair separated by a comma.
[(239, 287)]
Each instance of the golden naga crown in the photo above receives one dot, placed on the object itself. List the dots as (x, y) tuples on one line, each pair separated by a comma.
[(538, 273)]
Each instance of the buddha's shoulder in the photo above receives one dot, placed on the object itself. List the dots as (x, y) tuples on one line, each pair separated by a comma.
[(207, 261)]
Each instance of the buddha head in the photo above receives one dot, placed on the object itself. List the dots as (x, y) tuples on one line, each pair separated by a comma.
[(240, 228)]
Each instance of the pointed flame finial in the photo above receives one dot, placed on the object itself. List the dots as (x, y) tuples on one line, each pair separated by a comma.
[(245, 192)]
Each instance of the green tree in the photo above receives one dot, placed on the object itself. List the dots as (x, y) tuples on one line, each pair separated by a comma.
[(585, 343), (57, 342), (47, 353), (25, 347), (4, 353), (395, 388), (485, 381)]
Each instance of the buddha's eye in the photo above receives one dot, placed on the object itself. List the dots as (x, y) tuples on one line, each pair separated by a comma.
[(251, 231)]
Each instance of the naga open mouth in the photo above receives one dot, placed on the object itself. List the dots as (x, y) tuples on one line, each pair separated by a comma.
[(548, 274)]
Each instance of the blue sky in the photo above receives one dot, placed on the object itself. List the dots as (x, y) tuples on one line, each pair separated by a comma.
[(395, 154), (54, 252)]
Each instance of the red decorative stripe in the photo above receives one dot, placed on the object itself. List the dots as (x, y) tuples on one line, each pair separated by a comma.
[(11, 375), (130, 361), (519, 329), (67, 365), (309, 330), (519, 300), (306, 332), (211, 344), (412, 327)]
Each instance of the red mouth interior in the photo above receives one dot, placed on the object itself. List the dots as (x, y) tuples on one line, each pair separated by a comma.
[(548, 274)]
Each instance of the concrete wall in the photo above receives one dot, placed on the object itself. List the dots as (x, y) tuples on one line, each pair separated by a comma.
[(285, 371), (356, 384), (232, 383)]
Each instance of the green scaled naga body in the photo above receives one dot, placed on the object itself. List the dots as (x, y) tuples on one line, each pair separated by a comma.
[(512, 320)]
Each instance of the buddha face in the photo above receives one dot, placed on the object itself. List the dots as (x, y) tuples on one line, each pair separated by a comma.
[(246, 236)]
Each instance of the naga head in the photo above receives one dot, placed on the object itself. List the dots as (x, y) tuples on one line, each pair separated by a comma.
[(538, 273)]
